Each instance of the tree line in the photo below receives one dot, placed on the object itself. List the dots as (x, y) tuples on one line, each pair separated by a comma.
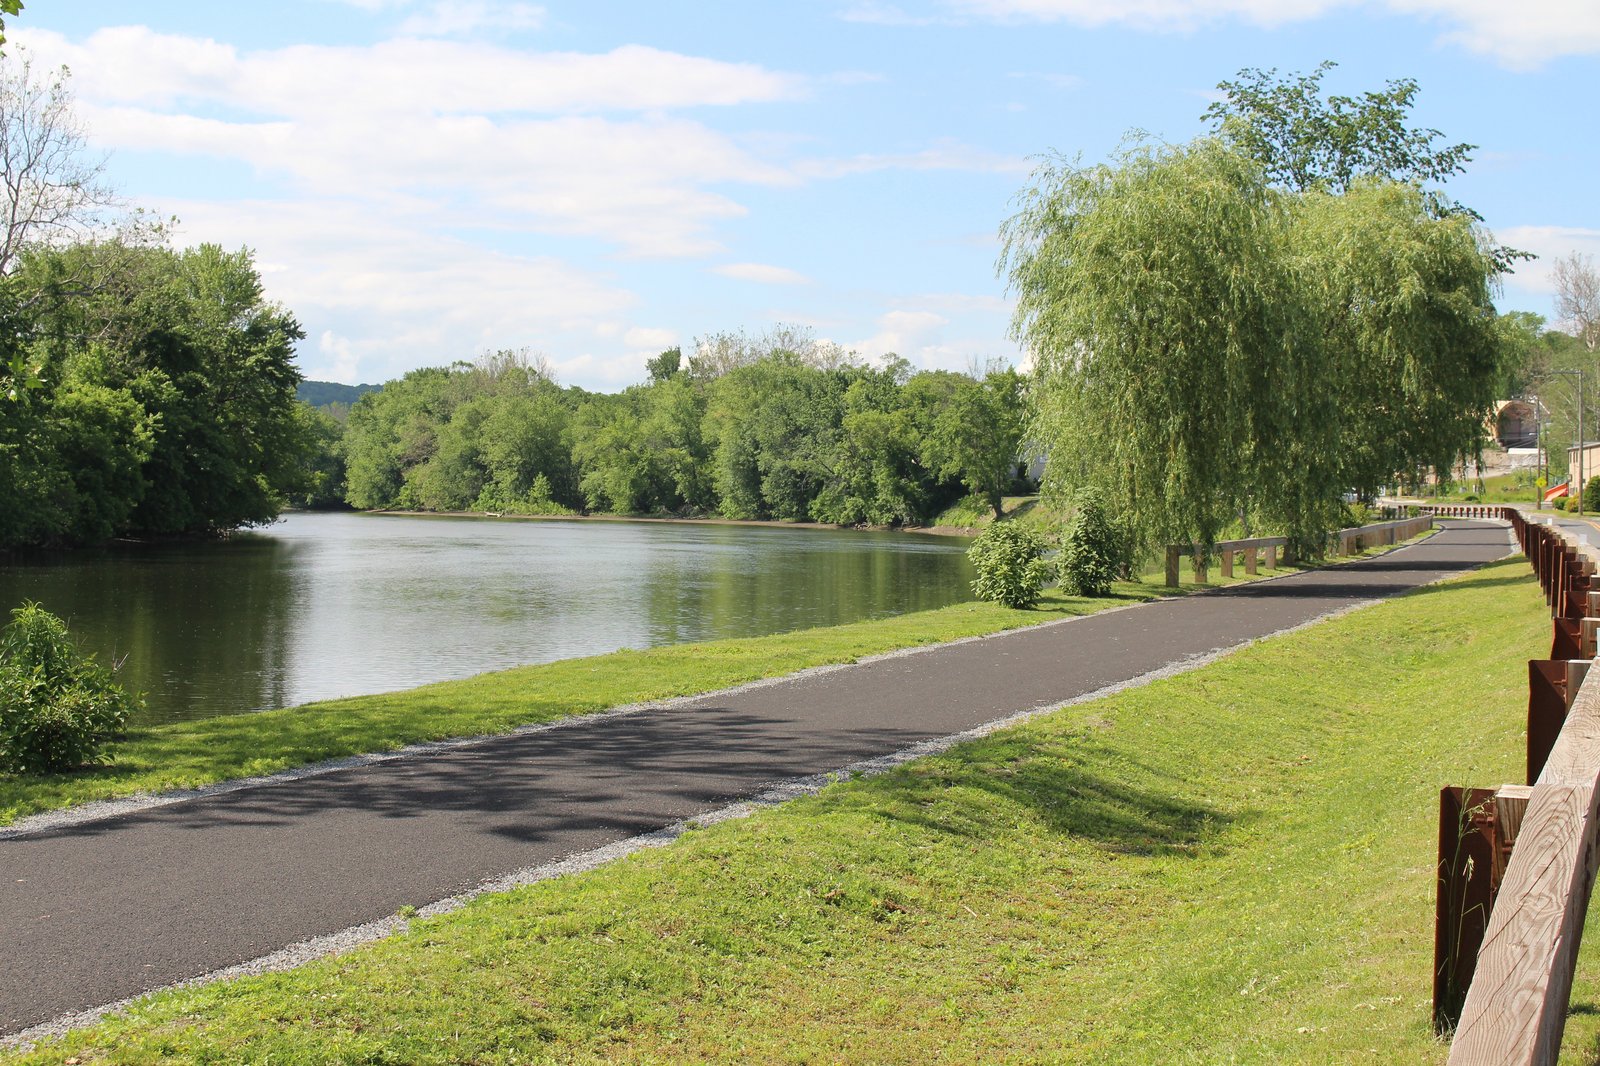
[(774, 427)]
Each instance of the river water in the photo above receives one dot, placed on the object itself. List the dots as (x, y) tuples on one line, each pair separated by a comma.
[(323, 605)]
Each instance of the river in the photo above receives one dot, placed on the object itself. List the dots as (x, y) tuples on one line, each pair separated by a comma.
[(323, 605)]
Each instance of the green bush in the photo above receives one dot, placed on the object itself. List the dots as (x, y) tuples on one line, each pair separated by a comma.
[(1591, 494), (1095, 551), (57, 705), (1010, 565)]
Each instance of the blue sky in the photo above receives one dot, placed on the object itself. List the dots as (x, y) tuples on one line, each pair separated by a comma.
[(424, 180)]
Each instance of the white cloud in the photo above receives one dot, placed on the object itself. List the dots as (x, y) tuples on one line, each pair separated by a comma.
[(338, 361), (945, 155), (762, 273), (136, 65), (452, 17), (655, 340), (1517, 35), (484, 135), (904, 333), (1144, 14), (961, 303), (1549, 243), (381, 294)]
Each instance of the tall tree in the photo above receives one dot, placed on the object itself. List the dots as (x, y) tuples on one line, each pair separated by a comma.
[(1402, 299), (1578, 297), (1304, 140), (1174, 355), (973, 429), (169, 390), (52, 188)]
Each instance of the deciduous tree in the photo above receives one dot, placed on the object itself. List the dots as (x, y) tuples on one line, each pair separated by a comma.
[(1578, 297)]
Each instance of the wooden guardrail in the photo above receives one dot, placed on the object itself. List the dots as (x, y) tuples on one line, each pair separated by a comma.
[(1462, 510), (1518, 982), (1344, 542)]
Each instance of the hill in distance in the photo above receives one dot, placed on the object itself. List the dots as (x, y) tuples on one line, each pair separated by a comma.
[(322, 393)]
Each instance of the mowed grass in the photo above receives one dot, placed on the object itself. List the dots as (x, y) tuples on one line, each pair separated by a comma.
[(191, 754), (1232, 865)]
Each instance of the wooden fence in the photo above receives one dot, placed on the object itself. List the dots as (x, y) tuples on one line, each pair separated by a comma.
[(1344, 542), (1517, 981)]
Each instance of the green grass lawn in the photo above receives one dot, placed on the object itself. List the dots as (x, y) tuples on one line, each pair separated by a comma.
[(974, 513), (1233, 865), (191, 754)]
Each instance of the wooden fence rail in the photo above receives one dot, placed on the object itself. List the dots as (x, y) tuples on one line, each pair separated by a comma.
[(1521, 977), (1344, 542)]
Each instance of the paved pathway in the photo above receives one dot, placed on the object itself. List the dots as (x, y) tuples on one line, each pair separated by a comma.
[(102, 910)]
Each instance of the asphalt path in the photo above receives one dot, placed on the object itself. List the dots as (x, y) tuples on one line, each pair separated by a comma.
[(99, 911)]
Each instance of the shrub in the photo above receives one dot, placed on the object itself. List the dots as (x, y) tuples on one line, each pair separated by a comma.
[(57, 705), (1095, 551), (1591, 494), (1010, 565)]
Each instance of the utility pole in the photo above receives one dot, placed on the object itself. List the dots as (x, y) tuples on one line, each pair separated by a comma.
[(1578, 373)]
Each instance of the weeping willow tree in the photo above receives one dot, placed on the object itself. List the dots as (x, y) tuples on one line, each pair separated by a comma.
[(1179, 368), (1403, 299), (1212, 347)]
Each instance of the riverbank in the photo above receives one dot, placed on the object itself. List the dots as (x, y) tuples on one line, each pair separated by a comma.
[(194, 754), (702, 520), (1124, 880)]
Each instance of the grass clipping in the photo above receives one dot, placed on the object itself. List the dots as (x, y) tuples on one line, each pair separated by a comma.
[(1233, 865)]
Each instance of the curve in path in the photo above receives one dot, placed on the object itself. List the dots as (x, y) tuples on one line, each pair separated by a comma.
[(102, 910)]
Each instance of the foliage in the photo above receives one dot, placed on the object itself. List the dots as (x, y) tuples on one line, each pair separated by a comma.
[(319, 479), (973, 429), (57, 706), (1403, 306), (9, 7), (1305, 142), (750, 430), (1553, 359), (1163, 310), (1524, 360), (1217, 332), (167, 399), (1094, 552), (441, 437), (1010, 567), (665, 365), (1591, 495)]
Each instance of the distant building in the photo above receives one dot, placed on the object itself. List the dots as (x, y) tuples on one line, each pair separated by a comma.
[(1589, 452), (1515, 424)]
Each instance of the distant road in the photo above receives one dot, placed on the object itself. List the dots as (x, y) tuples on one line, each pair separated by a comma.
[(106, 909)]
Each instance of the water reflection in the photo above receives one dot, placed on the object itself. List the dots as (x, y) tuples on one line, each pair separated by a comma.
[(330, 605)]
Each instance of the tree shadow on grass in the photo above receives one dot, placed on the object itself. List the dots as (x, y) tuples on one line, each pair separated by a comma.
[(1071, 796)]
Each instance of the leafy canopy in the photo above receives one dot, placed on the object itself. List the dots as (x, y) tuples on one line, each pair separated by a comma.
[(1211, 347), (1303, 140)]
